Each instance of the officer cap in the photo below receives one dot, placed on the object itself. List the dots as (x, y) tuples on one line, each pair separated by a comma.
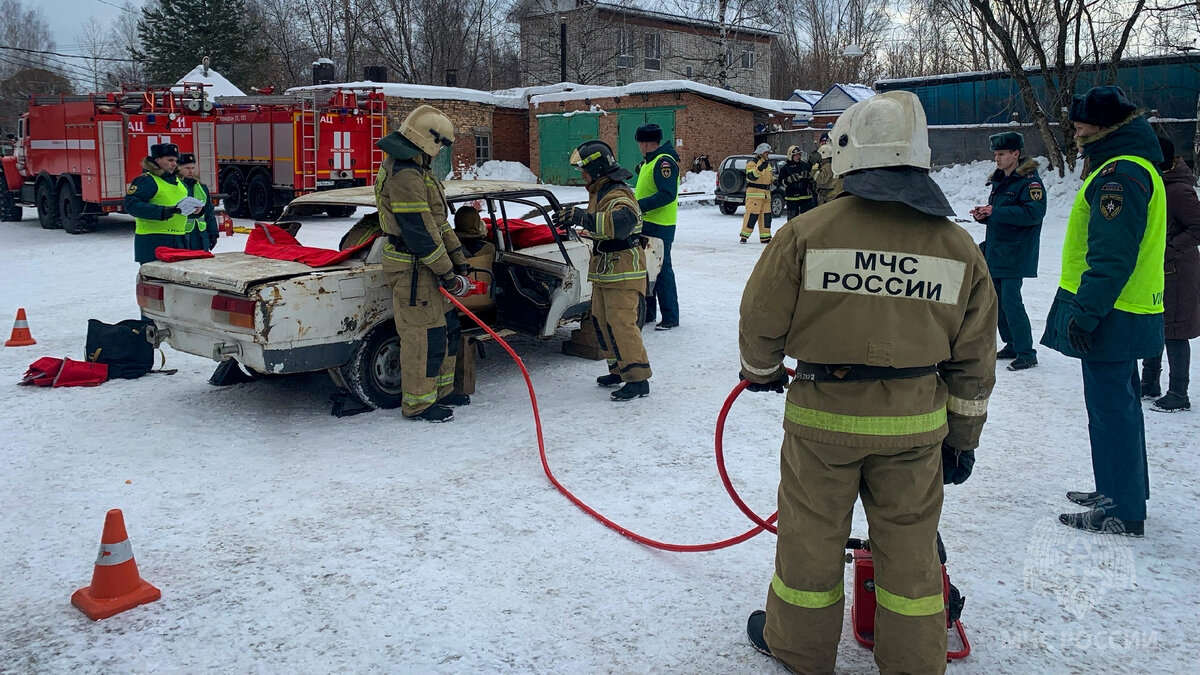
[(186, 158), (160, 150), (1104, 106), (1007, 140), (648, 133)]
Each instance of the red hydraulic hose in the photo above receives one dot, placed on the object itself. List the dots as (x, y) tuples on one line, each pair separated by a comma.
[(760, 524)]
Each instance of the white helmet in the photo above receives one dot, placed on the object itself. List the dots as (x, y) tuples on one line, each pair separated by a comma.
[(762, 147), (885, 130), (429, 129)]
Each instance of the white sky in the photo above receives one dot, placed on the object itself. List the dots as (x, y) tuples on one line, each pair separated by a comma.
[(66, 17)]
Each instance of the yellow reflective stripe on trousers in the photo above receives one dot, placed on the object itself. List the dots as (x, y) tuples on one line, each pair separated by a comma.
[(424, 398), (899, 425), (926, 606), (807, 599), (445, 379), (967, 407)]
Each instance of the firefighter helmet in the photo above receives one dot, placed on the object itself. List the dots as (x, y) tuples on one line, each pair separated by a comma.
[(885, 130), (762, 148), (794, 150), (596, 158), (429, 129)]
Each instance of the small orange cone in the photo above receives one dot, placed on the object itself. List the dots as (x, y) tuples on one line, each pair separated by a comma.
[(20, 333), (116, 585)]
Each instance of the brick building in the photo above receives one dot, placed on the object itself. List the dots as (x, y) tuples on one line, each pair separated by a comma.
[(702, 120), (614, 45)]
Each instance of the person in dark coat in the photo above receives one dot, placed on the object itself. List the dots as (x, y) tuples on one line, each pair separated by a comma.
[(798, 188), (202, 227), (1011, 246), (1109, 305), (1181, 298), (152, 200)]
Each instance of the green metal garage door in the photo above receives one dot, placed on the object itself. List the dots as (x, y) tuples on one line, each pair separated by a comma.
[(628, 154), (558, 135)]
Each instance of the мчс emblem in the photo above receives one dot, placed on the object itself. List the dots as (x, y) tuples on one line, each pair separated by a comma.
[(1110, 205)]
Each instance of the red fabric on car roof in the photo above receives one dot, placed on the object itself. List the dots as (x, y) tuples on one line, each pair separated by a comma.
[(282, 246)]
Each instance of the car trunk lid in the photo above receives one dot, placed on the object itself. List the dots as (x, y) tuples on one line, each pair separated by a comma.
[(231, 272)]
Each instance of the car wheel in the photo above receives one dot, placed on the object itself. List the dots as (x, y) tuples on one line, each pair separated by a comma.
[(71, 210), (373, 373), (733, 180), (340, 211), (235, 194), (47, 207), (260, 197), (777, 207), (728, 208)]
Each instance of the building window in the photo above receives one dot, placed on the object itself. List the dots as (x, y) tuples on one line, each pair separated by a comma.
[(688, 71), (728, 56), (625, 57), (483, 148), (653, 51), (748, 58)]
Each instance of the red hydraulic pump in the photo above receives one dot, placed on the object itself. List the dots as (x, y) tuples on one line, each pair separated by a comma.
[(75, 155), (272, 149)]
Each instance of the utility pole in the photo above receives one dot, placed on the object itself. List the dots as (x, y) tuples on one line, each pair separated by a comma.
[(562, 48)]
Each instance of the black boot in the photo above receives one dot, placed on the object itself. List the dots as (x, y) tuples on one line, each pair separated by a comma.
[(754, 630), (1007, 353), (632, 390), (1085, 499), (1171, 403), (1023, 363), (435, 413), (1151, 388), (454, 400), (610, 380), (1096, 521)]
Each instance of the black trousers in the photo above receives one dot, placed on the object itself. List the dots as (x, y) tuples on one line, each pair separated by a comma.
[(1179, 358)]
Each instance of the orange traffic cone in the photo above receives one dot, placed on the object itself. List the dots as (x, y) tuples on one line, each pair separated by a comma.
[(20, 334), (116, 585)]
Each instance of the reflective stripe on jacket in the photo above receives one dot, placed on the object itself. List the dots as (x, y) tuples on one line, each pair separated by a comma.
[(168, 195)]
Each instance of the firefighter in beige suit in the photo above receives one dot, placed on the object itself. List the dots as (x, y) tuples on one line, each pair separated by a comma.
[(617, 268), (889, 310), (760, 176), (422, 254)]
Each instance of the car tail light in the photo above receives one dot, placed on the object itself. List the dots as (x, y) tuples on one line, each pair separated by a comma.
[(233, 311), (150, 296)]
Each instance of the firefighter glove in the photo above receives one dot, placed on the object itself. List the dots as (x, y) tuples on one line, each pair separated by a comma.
[(1080, 339), (463, 269), (956, 465), (777, 385), (457, 285), (572, 215)]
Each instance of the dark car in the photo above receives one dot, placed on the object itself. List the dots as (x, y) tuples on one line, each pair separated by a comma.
[(731, 184)]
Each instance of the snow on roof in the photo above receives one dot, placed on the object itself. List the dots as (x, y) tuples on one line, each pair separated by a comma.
[(842, 96), (858, 92), (218, 85), (426, 91), (809, 96), (667, 86)]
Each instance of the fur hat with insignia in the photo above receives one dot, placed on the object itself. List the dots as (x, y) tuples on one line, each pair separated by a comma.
[(1168, 150), (1104, 106), (186, 158), (1007, 140), (648, 133), (160, 150)]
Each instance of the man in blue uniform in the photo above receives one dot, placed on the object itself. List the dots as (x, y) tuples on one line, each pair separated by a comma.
[(1109, 305), (152, 200), (202, 227), (657, 193), (1013, 215)]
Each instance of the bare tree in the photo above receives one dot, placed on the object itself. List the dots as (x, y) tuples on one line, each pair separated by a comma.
[(817, 32), (25, 37), (123, 43)]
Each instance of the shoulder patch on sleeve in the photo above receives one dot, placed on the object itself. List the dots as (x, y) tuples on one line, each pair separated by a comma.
[(664, 167), (1110, 205), (132, 189), (1112, 187), (1036, 192)]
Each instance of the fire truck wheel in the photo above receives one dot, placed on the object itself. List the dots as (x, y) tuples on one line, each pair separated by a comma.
[(70, 210), (260, 197), (235, 194), (373, 373), (339, 211), (47, 207)]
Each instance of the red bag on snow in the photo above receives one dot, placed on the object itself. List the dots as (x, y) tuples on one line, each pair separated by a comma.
[(275, 243), (51, 372), (168, 254)]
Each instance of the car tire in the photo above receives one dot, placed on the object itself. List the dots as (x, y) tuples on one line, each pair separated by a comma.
[(260, 197), (373, 373), (234, 188), (732, 181), (728, 208), (777, 206), (71, 210), (340, 211), (47, 206)]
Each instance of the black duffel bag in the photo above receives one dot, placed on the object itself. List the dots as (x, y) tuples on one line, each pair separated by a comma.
[(123, 347)]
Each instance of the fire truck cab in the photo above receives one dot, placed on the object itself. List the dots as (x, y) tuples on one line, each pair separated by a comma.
[(75, 155)]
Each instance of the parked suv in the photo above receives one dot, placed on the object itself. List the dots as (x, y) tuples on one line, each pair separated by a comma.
[(731, 184)]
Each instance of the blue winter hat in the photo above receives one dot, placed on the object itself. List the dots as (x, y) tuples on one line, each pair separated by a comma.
[(648, 133), (1007, 140), (1104, 106)]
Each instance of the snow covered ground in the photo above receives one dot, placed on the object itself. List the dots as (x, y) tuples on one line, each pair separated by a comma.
[(286, 540)]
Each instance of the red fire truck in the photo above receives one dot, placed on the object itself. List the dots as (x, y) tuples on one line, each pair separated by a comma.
[(75, 155), (273, 148)]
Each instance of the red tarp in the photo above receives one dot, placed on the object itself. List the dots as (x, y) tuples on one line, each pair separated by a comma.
[(524, 233), (168, 254), (286, 247)]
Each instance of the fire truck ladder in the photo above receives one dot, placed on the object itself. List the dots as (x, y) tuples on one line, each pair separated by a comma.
[(309, 142), (375, 108)]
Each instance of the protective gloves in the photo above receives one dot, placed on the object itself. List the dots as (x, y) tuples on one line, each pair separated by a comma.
[(956, 465), (462, 269), (1080, 339), (457, 285), (572, 215), (777, 385)]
